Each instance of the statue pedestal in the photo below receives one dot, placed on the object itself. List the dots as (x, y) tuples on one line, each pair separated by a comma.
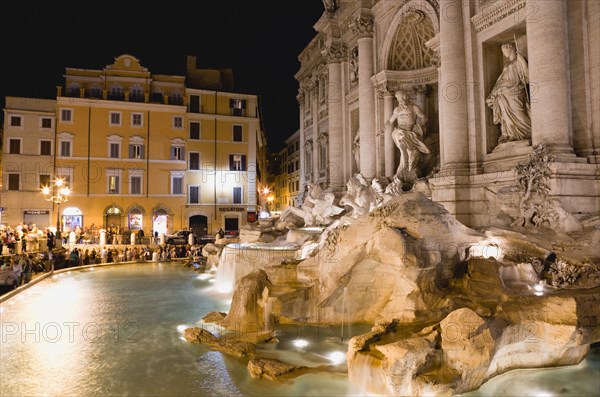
[(506, 155)]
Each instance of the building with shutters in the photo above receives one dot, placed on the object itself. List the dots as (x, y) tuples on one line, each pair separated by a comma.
[(138, 150)]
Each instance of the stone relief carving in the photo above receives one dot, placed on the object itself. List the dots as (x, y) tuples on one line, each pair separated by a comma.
[(509, 99), (406, 125), (532, 178), (354, 66)]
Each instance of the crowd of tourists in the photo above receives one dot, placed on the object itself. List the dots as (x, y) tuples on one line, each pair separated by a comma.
[(20, 260)]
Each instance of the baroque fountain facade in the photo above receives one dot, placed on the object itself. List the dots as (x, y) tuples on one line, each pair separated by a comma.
[(450, 154)]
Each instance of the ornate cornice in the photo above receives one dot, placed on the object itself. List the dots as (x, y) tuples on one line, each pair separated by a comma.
[(496, 12), (394, 80), (362, 26), (335, 53)]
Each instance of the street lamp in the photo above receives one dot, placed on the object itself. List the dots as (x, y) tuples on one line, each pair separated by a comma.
[(264, 201), (57, 193)]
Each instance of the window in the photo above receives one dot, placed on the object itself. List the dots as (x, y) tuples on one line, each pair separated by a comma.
[(113, 184), (135, 185), (177, 152), (114, 118), (194, 130), (194, 161), (136, 94), (237, 133), (16, 121), (237, 162), (45, 148), (177, 122), (322, 158), (65, 149), (237, 107), (136, 119), (13, 181), (194, 197), (114, 150), (44, 180), (66, 174), (237, 195), (46, 122), (177, 185), (194, 104), (66, 115), (14, 146), (136, 151)]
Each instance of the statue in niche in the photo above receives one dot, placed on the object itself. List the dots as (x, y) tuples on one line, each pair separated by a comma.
[(408, 133), (509, 99)]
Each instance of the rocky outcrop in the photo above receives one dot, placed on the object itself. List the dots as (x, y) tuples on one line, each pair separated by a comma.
[(464, 350), (269, 368), (247, 312), (235, 344), (214, 317)]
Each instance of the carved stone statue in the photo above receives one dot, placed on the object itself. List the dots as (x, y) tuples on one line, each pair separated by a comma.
[(360, 196), (317, 208), (354, 66), (408, 132), (330, 5), (509, 99)]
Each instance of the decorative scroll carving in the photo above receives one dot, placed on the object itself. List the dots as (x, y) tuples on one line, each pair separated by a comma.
[(362, 26)]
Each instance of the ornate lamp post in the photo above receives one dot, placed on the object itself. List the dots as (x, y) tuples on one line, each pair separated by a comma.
[(57, 193)]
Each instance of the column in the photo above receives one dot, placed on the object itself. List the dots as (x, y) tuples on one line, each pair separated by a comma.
[(549, 73), (314, 104), (303, 165), (388, 142), (453, 94), (363, 28), (334, 56)]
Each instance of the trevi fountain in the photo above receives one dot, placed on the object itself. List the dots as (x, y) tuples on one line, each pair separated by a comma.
[(452, 249)]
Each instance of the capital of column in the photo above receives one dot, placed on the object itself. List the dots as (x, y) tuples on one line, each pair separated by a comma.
[(384, 90), (300, 96), (335, 53), (362, 26)]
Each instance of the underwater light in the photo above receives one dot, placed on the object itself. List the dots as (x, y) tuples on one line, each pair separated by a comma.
[(300, 343), (337, 357)]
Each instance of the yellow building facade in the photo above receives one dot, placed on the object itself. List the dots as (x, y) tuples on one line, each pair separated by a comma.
[(144, 151)]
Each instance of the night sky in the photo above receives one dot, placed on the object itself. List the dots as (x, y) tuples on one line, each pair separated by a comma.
[(259, 39)]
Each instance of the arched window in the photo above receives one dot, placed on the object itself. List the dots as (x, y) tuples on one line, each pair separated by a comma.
[(136, 94), (116, 92)]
